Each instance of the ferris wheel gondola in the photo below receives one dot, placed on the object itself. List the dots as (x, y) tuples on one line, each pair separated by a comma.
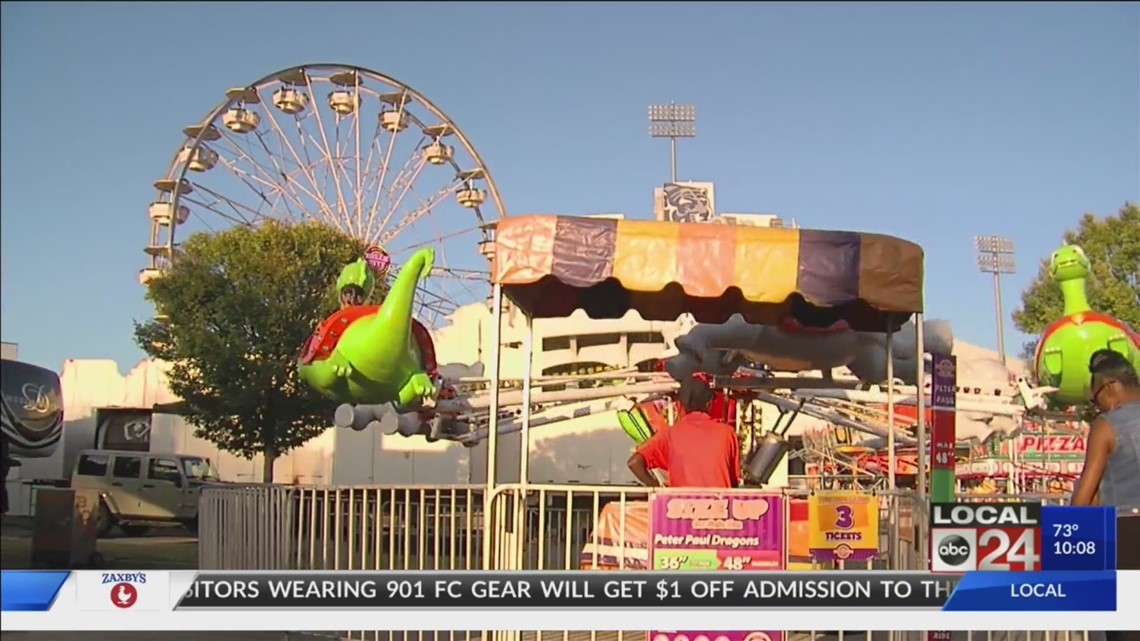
[(343, 146)]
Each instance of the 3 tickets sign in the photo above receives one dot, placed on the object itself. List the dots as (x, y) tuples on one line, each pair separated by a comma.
[(720, 531), (843, 526)]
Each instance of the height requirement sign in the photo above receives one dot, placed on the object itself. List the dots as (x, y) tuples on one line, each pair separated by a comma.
[(708, 531), (943, 431)]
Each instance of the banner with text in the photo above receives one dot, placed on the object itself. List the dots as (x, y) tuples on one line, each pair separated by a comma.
[(717, 531), (725, 532), (843, 525), (570, 600)]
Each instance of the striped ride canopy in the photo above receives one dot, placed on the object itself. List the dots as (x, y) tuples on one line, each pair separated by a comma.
[(551, 265)]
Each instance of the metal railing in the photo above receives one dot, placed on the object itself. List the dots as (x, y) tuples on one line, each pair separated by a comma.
[(341, 528), (536, 527)]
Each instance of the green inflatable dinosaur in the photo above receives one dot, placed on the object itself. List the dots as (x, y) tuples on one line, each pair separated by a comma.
[(1067, 344), (374, 354)]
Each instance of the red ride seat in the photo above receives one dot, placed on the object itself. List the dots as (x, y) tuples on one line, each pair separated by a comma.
[(324, 340), (422, 336)]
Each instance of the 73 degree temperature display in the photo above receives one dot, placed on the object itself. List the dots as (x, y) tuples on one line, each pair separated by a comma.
[(1078, 538), (1065, 530)]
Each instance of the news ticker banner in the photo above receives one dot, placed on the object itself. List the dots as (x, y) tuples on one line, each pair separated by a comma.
[(177, 600), (30, 591), (1021, 537)]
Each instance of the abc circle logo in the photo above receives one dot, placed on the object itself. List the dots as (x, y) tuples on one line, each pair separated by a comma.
[(954, 550)]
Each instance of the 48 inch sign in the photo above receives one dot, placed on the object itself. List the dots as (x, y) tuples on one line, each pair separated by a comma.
[(997, 537)]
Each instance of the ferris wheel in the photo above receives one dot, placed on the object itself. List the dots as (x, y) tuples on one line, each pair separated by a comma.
[(349, 148)]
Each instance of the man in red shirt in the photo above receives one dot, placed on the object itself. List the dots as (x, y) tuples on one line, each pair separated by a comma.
[(696, 452)]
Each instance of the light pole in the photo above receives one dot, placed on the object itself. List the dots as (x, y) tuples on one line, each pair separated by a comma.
[(673, 121), (995, 256)]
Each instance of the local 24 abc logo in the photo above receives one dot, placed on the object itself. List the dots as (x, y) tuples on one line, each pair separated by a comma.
[(999, 546)]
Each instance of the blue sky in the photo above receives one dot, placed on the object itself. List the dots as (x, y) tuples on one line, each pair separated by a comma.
[(934, 122)]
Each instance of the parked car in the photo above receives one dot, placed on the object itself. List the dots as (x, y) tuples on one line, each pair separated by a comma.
[(143, 490)]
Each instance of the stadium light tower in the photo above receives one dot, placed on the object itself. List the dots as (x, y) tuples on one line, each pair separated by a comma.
[(672, 121), (995, 256)]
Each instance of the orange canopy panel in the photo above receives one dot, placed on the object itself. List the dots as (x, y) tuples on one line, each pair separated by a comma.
[(551, 265)]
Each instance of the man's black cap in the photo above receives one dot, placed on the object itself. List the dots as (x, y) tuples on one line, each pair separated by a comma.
[(695, 395)]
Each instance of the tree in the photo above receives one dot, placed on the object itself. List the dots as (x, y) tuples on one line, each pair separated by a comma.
[(235, 309), (1112, 245)]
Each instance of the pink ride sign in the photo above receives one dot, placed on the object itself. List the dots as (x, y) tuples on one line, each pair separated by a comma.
[(707, 531), (717, 531), (671, 635)]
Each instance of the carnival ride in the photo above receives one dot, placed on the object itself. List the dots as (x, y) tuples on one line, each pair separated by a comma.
[(549, 266), (370, 353), (553, 265), (415, 399), (455, 410), (1062, 356)]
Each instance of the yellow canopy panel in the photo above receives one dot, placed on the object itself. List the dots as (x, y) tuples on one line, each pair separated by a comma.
[(551, 265)]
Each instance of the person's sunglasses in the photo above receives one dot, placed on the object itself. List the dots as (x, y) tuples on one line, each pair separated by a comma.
[(1100, 390)]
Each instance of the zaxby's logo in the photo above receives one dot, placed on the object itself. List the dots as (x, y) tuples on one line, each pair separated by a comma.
[(124, 591), (123, 577), (124, 595)]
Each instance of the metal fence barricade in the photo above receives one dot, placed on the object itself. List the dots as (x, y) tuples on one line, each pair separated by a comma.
[(245, 527), (273, 527), (389, 528)]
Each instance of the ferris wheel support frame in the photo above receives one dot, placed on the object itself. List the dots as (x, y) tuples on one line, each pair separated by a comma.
[(194, 143)]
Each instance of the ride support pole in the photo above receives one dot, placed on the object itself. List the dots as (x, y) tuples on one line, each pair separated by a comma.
[(892, 455), (919, 506)]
